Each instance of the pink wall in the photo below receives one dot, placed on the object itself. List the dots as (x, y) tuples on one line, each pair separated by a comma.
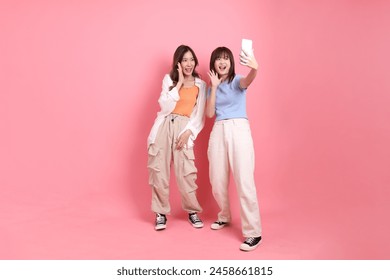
[(79, 82)]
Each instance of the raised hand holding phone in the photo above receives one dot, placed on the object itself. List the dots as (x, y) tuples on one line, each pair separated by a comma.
[(247, 57)]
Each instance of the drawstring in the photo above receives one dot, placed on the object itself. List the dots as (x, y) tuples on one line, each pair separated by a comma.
[(173, 117)]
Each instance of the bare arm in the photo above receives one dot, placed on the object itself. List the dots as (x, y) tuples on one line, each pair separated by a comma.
[(250, 61), (210, 106)]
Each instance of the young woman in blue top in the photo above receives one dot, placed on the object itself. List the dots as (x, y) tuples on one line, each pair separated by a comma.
[(231, 145)]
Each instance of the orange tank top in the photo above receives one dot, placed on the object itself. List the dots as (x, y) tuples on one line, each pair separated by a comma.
[(187, 101)]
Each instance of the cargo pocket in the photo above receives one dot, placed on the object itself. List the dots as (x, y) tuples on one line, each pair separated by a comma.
[(154, 162), (189, 170), (189, 162)]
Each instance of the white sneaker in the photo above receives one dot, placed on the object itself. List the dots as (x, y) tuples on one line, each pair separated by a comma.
[(194, 220), (218, 225), (250, 243), (161, 222)]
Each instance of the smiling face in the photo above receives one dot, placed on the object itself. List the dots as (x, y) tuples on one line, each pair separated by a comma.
[(188, 63), (222, 62), (222, 65)]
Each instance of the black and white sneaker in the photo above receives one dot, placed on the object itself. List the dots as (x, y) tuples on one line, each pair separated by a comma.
[(161, 222), (218, 225), (194, 220), (250, 243)]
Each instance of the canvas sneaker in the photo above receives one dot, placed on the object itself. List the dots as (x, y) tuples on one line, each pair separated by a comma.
[(218, 225), (161, 222), (195, 221), (250, 243)]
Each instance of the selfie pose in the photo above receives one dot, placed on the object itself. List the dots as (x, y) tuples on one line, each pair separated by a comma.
[(230, 144), (180, 119)]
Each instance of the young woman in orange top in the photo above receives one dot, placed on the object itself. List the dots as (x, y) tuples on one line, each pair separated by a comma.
[(180, 119)]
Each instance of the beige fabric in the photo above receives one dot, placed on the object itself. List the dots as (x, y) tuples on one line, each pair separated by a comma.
[(231, 147), (161, 154)]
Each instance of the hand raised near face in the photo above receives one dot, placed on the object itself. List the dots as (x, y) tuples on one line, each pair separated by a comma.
[(180, 72), (215, 81)]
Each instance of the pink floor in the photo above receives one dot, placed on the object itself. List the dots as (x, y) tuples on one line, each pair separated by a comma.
[(103, 227)]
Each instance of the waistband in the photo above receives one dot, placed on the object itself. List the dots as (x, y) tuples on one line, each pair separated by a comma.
[(174, 116), (232, 121)]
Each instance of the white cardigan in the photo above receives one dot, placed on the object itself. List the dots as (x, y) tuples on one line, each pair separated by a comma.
[(168, 100)]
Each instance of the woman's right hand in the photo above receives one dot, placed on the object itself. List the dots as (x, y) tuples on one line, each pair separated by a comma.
[(215, 81), (180, 72)]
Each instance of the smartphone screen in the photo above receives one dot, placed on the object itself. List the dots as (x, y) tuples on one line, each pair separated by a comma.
[(246, 45)]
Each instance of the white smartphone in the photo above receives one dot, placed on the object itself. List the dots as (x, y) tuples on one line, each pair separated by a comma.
[(246, 45)]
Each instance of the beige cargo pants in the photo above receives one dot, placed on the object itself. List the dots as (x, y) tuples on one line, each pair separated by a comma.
[(161, 153)]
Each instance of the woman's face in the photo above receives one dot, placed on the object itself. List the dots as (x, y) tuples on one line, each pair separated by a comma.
[(188, 64), (222, 65)]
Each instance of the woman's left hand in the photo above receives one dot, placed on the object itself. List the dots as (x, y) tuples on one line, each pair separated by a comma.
[(182, 140), (249, 60)]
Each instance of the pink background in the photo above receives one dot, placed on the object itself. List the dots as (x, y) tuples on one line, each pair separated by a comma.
[(79, 82)]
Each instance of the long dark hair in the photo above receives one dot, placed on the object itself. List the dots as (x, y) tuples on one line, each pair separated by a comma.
[(178, 57), (221, 52)]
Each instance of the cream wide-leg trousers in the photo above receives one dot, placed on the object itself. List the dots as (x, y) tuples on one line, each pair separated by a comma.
[(161, 153), (231, 148)]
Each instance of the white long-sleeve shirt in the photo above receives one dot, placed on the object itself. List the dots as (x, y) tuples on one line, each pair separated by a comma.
[(168, 100)]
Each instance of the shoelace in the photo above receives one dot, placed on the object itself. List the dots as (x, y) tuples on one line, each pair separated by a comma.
[(250, 240), (194, 218), (160, 219)]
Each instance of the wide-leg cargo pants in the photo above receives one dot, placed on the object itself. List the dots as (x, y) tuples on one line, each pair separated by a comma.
[(161, 153)]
